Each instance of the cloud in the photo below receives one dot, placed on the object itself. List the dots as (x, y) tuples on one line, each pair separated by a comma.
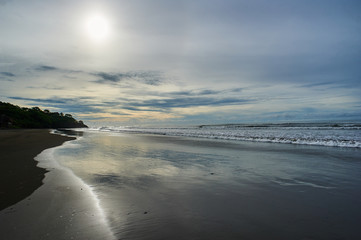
[(81, 107), (7, 74), (73, 105), (41, 100), (181, 93), (309, 113), (78, 105), (108, 77), (48, 87), (236, 89), (137, 109), (46, 68), (208, 92), (119, 113), (317, 84), (185, 102), (153, 78), (203, 92)]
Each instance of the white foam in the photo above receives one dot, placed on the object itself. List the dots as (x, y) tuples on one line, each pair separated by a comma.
[(63, 207), (338, 136), (46, 160)]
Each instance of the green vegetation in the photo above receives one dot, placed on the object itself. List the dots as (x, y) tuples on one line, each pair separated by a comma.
[(12, 116)]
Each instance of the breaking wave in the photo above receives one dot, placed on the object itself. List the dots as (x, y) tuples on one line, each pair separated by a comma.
[(325, 134)]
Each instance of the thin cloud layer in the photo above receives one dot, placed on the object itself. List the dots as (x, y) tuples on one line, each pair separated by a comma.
[(185, 61), (185, 102), (7, 74), (146, 77), (46, 68)]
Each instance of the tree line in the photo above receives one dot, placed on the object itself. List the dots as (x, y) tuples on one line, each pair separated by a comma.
[(13, 116)]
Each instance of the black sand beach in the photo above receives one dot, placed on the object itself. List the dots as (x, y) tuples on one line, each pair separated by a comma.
[(59, 206), (161, 187), (20, 175), (135, 186)]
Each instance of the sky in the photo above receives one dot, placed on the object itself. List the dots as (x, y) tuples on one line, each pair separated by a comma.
[(183, 62)]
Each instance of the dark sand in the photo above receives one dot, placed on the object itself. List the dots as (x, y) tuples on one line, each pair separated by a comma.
[(20, 175), (64, 207), (156, 187)]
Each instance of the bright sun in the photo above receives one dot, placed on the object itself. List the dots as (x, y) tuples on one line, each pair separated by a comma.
[(98, 27)]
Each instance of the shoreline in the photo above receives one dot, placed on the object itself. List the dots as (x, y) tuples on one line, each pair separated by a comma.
[(20, 175), (64, 207), (149, 187)]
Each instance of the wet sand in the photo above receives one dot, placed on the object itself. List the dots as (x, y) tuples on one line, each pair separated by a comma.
[(20, 175), (158, 187), (64, 207), (161, 187)]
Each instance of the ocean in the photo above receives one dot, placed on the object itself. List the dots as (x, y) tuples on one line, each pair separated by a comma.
[(268, 181), (321, 134)]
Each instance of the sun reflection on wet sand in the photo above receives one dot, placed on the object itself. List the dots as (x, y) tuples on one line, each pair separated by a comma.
[(157, 187), (65, 207)]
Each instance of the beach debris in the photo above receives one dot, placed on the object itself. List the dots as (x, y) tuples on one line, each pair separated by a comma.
[(145, 212)]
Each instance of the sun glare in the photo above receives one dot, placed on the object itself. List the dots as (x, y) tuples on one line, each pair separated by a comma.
[(97, 27)]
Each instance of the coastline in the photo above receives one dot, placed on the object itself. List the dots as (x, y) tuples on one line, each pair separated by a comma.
[(20, 176), (64, 207), (167, 187), (150, 187)]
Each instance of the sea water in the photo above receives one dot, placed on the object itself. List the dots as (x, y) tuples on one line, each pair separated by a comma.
[(223, 182), (322, 134)]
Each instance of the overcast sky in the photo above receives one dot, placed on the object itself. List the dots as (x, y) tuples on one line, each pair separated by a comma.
[(183, 62)]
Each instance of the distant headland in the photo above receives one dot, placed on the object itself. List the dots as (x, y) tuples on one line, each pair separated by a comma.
[(13, 116)]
